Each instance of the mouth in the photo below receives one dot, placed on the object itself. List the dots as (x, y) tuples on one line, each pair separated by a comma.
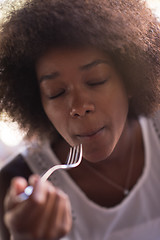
[(90, 134)]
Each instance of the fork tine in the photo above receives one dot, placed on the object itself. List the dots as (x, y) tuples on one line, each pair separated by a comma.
[(76, 154), (72, 162), (80, 157), (69, 156), (73, 154)]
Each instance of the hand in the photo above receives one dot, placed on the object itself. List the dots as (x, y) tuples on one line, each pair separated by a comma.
[(46, 214)]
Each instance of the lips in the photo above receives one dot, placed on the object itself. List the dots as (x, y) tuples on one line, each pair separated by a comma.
[(90, 134)]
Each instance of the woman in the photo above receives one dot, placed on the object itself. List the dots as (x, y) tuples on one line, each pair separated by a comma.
[(83, 72)]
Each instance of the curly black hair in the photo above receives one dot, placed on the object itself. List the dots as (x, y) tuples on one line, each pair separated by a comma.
[(124, 29)]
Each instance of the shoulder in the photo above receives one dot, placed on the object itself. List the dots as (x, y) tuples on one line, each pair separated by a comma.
[(156, 115), (152, 123), (156, 120)]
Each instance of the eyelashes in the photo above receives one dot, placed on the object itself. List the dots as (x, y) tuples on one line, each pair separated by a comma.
[(96, 83), (92, 83), (56, 95)]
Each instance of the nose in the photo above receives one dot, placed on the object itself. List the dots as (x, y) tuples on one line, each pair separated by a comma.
[(81, 107)]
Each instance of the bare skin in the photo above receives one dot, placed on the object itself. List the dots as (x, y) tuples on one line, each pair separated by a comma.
[(84, 98), (114, 168), (45, 215), (81, 93), (86, 101)]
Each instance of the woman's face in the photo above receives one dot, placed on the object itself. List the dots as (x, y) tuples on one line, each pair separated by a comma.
[(84, 98)]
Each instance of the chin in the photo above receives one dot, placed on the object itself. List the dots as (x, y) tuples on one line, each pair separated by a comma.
[(96, 157)]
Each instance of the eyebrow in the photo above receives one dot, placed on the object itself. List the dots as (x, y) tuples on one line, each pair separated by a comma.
[(87, 66), (93, 63), (49, 76)]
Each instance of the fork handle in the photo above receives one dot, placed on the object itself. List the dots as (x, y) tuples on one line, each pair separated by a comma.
[(46, 175), (25, 195), (28, 190)]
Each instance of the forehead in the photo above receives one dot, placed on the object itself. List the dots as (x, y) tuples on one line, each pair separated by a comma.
[(58, 58)]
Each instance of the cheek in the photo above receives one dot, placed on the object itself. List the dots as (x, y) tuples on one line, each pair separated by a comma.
[(58, 118), (114, 102), (117, 110), (122, 105), (54, 114), (120, 113)]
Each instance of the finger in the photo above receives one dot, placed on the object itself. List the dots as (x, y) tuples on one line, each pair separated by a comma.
[(67, 219), (60, 224), (24, 216), (33, 179), (49, 210), (39, 190), (17, 186)]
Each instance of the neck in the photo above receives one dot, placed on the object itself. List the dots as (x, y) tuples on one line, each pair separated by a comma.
[(115, 167)]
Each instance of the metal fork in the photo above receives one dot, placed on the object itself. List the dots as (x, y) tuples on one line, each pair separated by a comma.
[(73, 160)]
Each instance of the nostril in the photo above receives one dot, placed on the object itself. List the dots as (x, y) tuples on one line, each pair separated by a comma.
[(76, 115), (87, 111), (81, 111)]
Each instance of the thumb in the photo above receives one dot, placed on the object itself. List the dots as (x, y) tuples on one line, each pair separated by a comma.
[(17, 186)]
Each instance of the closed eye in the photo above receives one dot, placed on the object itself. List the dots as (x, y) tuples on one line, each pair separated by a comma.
[(97, 82), (56, 95)]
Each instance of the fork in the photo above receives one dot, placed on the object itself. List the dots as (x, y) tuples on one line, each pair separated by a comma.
[(73, 160)]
